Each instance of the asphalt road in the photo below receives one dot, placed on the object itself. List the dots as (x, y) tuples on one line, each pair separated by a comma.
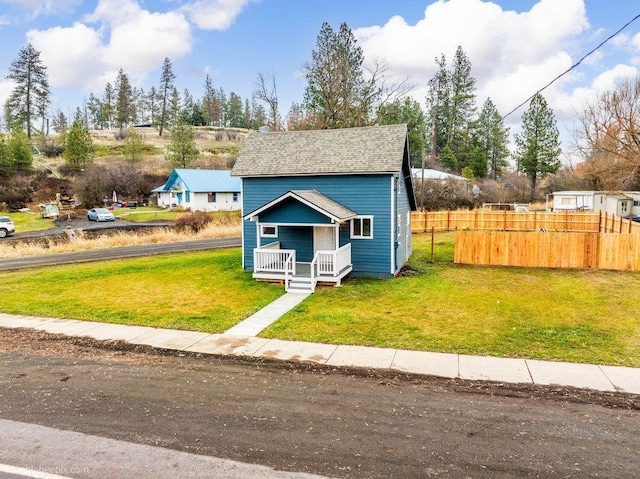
[(115, 253), (311, 419)]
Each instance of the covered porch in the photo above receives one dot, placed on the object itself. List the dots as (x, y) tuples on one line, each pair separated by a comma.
[(271, 263), (299, 241)]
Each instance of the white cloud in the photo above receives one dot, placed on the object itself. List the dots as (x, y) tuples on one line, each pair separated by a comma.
[(512, 54), (5, 89), (86, 56), (72, 55), (214, 14), (37, 7)]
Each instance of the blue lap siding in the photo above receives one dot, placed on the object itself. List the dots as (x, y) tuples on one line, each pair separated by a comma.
[(368, 195)]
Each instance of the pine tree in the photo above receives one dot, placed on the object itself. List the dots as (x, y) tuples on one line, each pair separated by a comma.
[(538, 145), (166, 89), (492, 136), (209, 101), (5, 157), (437, 107), (20, 150), (234, 111), (108, 105), (79, 149), (125, 107), (407, 111), (133, 144), (337, 94), (152, 101), (182, 151), (462, 107), (31, 95)]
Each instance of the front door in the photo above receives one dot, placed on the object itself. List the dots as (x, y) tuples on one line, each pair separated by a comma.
[(324, 239)]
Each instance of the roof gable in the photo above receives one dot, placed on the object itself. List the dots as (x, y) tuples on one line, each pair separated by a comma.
[(314, 200), (199, 181), (372, 149)]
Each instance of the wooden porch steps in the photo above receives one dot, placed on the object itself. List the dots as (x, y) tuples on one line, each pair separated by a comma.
[(301, 284)]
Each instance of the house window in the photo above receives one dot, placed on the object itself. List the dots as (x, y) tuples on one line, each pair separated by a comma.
[(636, 202), (362, 227), (187, 196), (268, 231), (235, 196), (211, 197), (623, 206), (567, 201)]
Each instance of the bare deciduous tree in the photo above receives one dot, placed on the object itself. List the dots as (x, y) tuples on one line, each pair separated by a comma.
[(609, 138), (266, 91)]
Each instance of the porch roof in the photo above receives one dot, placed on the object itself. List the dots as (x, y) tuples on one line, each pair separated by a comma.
[(314, 200)]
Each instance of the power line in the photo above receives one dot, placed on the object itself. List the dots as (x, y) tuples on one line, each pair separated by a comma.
[(574, 65)]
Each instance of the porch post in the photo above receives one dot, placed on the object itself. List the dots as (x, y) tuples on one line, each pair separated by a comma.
[(258, 234), (337, 228)]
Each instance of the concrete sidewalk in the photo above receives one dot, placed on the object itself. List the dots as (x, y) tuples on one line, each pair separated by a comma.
[(527, 371)]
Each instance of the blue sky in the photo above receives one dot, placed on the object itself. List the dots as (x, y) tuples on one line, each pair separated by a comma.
[(515, 46)]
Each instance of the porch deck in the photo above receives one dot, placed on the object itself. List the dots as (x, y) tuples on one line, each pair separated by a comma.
[(274, 264), (303, 270)]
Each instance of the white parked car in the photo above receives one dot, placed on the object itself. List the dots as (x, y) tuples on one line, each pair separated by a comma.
[(100, 214), (6, 226)]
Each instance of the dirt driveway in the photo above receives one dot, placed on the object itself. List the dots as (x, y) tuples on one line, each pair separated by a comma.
[(336, 422)]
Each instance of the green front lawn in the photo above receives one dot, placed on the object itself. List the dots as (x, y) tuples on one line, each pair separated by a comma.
[(203, 291), (566, 315), (29, 222)]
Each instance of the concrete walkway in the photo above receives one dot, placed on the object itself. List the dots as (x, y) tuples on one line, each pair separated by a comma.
[(254, 324), (528, 371)]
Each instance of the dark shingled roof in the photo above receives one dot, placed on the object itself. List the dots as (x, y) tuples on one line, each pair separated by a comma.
[(371, 149)]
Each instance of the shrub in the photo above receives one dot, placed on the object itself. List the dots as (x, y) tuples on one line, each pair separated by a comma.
[(15, 193), (194, 221)]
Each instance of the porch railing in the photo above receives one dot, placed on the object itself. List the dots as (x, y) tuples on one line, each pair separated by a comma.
[(331, 262), (270, 258)]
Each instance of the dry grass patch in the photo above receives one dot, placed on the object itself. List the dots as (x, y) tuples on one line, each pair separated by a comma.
[(226, 226)]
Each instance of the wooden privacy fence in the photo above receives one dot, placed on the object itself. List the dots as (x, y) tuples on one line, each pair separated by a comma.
[(422, 221), (613, 251)]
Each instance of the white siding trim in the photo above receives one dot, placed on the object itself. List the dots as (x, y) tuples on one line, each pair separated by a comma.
[(392, 214)]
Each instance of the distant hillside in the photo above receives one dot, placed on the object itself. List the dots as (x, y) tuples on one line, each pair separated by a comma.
[(219, 148)]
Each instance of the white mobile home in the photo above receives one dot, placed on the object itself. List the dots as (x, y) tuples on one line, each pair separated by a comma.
[(572, 200)]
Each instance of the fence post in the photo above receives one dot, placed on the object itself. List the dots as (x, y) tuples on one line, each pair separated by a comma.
[(600, 222), (448, 220), (433, 237)]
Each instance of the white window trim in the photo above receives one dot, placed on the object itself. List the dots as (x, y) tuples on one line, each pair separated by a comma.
[(268, 235), (354, 236)]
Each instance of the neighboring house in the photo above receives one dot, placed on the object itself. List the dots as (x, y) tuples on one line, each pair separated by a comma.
[(620, 203), (571, 200), (321, 204), (431, 174), (201, 190)]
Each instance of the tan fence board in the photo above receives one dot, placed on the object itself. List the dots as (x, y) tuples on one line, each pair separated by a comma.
[(423, 221), (611, 251)]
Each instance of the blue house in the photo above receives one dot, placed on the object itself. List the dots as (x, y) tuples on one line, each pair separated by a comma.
[(318, 205), (200, 190)]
